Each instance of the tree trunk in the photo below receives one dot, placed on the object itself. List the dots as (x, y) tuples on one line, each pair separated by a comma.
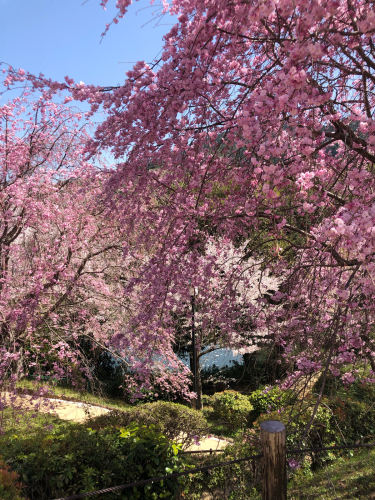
[(199, 387), (198, 401)]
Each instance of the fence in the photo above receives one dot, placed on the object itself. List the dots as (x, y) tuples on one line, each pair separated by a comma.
[(273, 464)]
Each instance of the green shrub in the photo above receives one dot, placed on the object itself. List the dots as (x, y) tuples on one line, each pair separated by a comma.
[(206, 400), (10, 488), (208, 412), (177, 422), (264, 401), (353, 420), (78, 460), (240, 481), (334, 386), (337, 422), (296, 418), (231, 407)]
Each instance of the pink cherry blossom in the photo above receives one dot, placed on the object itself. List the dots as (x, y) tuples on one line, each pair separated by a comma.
[(256, 124)]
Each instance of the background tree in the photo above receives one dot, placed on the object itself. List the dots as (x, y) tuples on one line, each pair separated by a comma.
[(60, 250), (232, 279)]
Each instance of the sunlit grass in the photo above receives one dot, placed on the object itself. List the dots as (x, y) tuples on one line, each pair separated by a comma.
[(29, 422), (72, 394), (350, 478)]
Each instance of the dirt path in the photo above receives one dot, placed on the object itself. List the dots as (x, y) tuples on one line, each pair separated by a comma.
[(79, 412), (209, 443), (66, 410), (305, 384)]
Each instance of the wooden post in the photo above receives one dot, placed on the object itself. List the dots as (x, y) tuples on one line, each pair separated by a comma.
[(273, 443)]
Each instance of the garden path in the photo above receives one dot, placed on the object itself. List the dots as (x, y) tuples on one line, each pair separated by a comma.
[(79, 412), (66, 410)]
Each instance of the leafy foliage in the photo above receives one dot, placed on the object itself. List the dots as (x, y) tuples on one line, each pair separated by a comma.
[(77, 460), (358, 390), (177, 422), (10, 488), (295, 418), (337, 422), (238, 481), (264, 401), (230, 407)]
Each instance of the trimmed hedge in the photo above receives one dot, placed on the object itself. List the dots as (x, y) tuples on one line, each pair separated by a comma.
[(264, 401), (177, 422), (230, 407)]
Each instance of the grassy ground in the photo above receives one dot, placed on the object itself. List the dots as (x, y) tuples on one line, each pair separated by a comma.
[(350, 478), (71, 394), (345, 479), (30, 423)]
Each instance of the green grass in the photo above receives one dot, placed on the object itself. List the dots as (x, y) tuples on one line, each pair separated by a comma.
[(30, 422), (346, 478), (223, 430), (71, 394), (350, 478)]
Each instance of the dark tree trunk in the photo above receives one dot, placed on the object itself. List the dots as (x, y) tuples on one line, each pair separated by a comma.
[(198, 401)]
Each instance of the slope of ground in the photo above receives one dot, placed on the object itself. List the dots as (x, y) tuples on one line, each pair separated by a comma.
[(349, 478), (79, 411)]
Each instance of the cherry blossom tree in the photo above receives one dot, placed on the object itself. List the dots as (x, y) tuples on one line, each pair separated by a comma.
[(229, 283), (61, 259), (291, 86), (256, 123), (260, 117)]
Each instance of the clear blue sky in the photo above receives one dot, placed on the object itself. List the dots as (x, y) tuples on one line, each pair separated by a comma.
[(62, 37)]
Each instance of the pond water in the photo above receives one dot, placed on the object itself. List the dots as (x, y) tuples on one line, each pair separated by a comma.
[(220, 358)]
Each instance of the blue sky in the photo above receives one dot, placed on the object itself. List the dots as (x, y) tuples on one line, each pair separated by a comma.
[(62, 37)]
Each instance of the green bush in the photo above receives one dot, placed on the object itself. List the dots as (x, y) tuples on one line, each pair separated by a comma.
[(264, 401), (352, 408), (240, 481), (206, 400), (334, 386), (208, 412), (337, 422), (353, 420), (177, 422), (296, 418), (10, 488), (231, 407), (76, 460)]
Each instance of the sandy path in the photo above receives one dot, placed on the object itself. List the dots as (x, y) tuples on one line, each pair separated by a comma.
[(66, 410), (209, 443), (79, 412)]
